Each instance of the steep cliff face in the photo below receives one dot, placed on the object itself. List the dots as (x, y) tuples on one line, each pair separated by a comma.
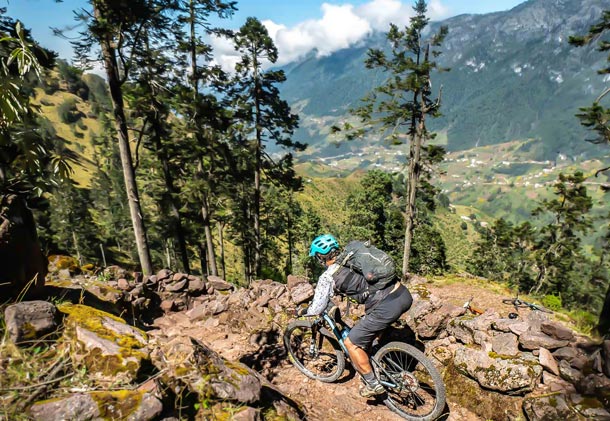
[(513, 76)]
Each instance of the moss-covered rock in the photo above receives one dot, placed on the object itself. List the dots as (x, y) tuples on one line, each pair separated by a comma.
[(111, 350), (130, 405), (488, 405), (507, 374), (188, 362)]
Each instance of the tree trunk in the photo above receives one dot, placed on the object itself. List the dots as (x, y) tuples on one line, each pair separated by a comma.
[(114, 85), (203, 260), (78, 256), (603, 326), (413, 178), (205, 210), (257, 178), (417, 126), (222, 249), (208, 236)]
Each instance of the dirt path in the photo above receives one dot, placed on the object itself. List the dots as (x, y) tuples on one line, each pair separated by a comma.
[(340, 401), (261, 348)]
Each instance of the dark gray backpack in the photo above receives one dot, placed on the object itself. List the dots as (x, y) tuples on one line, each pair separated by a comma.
[(375, 265)]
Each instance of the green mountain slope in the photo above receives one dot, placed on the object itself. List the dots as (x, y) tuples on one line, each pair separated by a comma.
[(513, 76)]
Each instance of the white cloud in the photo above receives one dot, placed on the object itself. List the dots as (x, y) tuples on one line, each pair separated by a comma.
[(340, 26), (380, 13), (224, 52)]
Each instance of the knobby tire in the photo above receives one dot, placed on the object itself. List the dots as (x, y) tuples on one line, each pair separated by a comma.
[(409, 366), (326, 365)]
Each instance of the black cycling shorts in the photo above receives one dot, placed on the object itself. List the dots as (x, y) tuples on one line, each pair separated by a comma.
[(386, 312)]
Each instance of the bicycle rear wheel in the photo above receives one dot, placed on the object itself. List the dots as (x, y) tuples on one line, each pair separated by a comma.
[(314, 354), (538, 307), (415, 389)]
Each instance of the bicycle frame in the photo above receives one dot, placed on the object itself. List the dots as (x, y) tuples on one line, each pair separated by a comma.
[(337, 334)]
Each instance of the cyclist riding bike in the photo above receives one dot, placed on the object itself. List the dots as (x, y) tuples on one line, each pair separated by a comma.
[(382, 307)]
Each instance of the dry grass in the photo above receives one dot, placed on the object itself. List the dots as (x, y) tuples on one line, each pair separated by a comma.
[(28, 372), (84, 145)]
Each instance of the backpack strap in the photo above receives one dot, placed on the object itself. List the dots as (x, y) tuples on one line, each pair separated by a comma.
[(346, 258)]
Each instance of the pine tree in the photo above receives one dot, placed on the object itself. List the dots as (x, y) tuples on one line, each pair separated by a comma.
[(263, 115), (558, 247), (110, 213), (597, 118), (121, 30), (205, 118), (401, 105)]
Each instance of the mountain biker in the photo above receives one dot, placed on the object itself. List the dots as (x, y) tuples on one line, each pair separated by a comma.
[(382, 308)]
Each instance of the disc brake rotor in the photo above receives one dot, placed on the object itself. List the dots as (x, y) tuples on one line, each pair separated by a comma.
[(408, 381)]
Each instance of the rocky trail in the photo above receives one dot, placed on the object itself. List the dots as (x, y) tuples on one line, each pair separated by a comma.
[(213, 351)]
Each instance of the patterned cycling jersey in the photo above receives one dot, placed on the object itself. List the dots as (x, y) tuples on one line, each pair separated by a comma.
[(325, 290)]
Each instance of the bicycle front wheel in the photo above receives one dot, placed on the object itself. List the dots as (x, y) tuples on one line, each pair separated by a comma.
[(314, 354), (415, 389)]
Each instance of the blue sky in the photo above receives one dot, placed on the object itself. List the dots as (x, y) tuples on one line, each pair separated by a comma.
[(297, 26)]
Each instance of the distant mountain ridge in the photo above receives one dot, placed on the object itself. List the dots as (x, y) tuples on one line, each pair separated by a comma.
[(513, 76)]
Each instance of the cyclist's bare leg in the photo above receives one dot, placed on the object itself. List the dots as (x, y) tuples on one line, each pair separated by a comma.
[(360, 359)]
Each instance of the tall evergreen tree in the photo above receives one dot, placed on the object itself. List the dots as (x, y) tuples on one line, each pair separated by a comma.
[(401, 105), (120, 30), (204, 117), (597, 118), (150, 97), (558, 247), (111, 212), (263, 115)]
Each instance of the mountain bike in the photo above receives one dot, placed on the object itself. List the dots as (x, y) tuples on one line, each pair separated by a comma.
[(414, 387), (519, 303)]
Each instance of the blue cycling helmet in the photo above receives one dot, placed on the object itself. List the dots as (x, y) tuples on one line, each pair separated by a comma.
[(323, 244)]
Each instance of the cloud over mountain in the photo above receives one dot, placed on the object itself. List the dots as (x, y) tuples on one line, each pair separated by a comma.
[(340, 26)]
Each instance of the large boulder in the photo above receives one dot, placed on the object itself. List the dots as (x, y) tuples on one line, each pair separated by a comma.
[(111, 350), (22, 263), (129, 405), (533, 340), (29, 320), (516, 375), (187, 362)]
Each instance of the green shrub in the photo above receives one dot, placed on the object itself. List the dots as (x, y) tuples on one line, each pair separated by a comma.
[(50, 86), (585, 322), (552, 302), (67, 111)]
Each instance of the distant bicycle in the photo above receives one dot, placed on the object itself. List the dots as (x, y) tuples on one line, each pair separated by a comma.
[(519, 303), (414, 387)]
